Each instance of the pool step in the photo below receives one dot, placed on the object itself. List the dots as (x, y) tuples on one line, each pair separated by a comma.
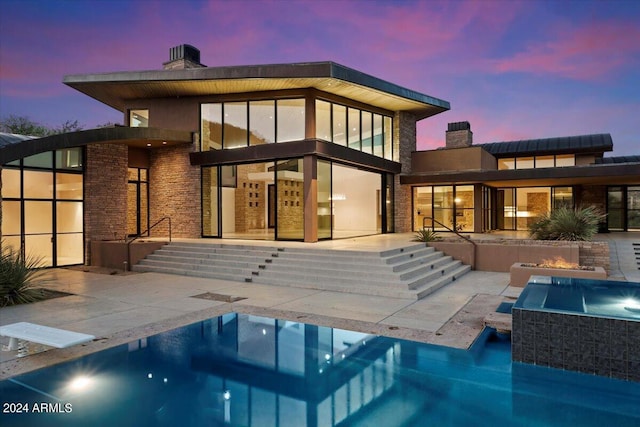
[(412, 272), (501, 322)]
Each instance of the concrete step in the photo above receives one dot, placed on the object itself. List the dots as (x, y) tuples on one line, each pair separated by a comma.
[(410, 272), (431, 287), (191, 273)]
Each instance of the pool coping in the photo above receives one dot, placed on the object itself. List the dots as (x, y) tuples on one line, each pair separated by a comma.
[(460, 331)]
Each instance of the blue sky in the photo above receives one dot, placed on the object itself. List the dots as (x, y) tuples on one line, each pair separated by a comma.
[(513, 69)]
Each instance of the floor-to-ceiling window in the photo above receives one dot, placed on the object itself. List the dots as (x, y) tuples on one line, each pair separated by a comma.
[(290, 200), (623, 208), (42, 206), (325, 215), (518, 208), (356, 202)]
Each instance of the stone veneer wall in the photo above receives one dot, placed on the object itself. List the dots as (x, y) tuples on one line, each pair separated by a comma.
[(174, 191), (105, 194), (595, 254), (404, 140), (594, 345)]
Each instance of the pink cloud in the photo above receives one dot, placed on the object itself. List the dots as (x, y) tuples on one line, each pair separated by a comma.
[(586, 53)]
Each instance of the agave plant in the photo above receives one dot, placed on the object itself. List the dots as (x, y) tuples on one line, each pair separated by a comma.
[(19, 277), (567, 224), (426, 235)]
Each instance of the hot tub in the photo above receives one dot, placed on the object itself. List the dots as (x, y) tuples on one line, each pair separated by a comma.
[(583, 325)]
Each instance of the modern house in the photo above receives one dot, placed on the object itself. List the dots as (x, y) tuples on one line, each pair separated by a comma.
[(305, 152)]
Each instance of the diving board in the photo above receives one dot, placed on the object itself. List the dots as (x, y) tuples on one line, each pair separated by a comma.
[(40, 334)]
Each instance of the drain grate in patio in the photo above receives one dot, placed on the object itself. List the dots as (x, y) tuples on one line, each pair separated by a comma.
[(218, 297)]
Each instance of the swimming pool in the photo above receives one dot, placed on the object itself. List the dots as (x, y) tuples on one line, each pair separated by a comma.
[(243, 370)]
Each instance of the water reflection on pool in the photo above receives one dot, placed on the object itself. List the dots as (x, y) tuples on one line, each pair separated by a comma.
[(245, 370)]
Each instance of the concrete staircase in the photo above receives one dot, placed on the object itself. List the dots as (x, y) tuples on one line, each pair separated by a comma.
[(413, 271)]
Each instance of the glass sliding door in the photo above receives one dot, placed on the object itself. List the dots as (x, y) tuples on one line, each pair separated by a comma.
[(325, 214), (356, 200), (422, 207), (443, 204)]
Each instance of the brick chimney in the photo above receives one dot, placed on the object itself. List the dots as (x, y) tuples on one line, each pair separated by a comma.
[(183, 56), (459, 135)]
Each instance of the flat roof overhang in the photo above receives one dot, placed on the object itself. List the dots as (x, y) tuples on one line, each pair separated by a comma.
[(599, 174), (133, 137), (115, 89), (295, 149)]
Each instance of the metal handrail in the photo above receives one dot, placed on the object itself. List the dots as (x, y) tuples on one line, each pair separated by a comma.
[(468, 239), (137, 236)]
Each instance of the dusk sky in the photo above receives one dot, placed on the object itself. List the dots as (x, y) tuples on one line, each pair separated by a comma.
[(513, 69)]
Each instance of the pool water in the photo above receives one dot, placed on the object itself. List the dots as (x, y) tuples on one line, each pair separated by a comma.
[(242, 370)]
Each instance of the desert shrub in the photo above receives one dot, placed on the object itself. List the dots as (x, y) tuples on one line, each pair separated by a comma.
[(426, 235), (19, 278), (567, 224)]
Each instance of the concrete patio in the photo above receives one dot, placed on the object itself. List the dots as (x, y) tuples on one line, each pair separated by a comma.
[(118, 308)]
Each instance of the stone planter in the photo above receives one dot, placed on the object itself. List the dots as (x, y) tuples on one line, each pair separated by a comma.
[(520, 273)]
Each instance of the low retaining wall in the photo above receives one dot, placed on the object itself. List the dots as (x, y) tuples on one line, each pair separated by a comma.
[(500, 255), (520, 274), (113, 254)]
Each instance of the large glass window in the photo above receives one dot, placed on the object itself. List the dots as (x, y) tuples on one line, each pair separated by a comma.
[(353, 117), (367, 137), (324, 200), (378, 136), (235, 125), (138, 118), (339, 124), (358, 129), (565, 160), (422, 207), (505, 164), (443, 207), (42, 207), (562, 197), (291, 120), (323, 120), (389, 152), (70, 159), (615, 209), (464, 208), (290, 200), (262, 122), (356, 200), (211, 127)]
